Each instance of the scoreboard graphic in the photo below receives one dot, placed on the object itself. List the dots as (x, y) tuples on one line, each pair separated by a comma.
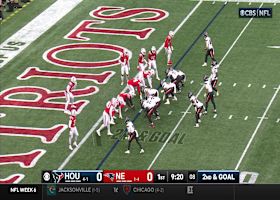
[(140, 176)]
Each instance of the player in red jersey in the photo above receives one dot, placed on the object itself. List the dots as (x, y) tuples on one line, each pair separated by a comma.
[(152, 56), (107, 116), (124, 61), (134, 82), (125, 99), (68, 92), (168, 47), (142, 63), (73, 134)]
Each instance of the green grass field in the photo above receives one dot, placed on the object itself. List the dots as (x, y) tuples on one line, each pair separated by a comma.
[(249, 76)]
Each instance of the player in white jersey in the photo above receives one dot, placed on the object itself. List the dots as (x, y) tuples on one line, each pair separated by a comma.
[(169, 90), (214, 76), (150, 92), (132, 134), (209, 49), (209, 94), (69, 93), (73, 133), (151, 105), (177, 77), (198, 106)]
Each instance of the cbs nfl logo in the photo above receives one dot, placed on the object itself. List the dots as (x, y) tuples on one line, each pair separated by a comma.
[(255, 12)]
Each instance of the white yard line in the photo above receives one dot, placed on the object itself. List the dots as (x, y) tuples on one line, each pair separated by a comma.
[(69, 157), (34, 29), (257, 128), (179, 122)]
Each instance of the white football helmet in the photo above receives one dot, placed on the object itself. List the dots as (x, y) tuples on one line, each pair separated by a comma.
[(143, 51), (154, 48), (73, 79), (171, 33)]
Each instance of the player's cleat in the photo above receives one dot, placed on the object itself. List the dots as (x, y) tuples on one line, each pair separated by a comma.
[(205, 112), (142, 151), (167, 101), (162, 91), (215, 111), (204, 95), (204, 64), (98, 132), (158, 117), (70, 147), (110, 134), (218, 93), (199, 120), (75, 144), (174, 98), (121, 83), (196, 126), (158, 78), (127, 152), (112, 122), (152, 125)]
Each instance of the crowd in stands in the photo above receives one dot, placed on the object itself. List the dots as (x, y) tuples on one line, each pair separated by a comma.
[(10, 6)]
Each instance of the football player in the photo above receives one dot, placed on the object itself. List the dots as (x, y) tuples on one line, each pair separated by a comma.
[(209, 94), (134, 82), (209, 49), (151, 105), (126, 99), (168, 47), (178, 77), (147, 75), (150, 92), (107, 116), (169, 90), (124, 61), (198, 106), (73, 133), (68, 92), (132, 134), (142, 62), (152, 56), (214, 76)]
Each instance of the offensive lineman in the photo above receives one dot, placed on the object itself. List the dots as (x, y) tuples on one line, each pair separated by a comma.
[(151, 105), (73, 134), (152, 56), (124, 61), (209, 49), (132, 134), (198, 106), (178, 77), (169, 90), (209, 95), (68, 93), (168, 47)]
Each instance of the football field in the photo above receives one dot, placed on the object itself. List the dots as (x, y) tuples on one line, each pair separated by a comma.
[(42, 48)]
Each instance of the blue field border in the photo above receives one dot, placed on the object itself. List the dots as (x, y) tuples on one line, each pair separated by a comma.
[(177, 63)]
